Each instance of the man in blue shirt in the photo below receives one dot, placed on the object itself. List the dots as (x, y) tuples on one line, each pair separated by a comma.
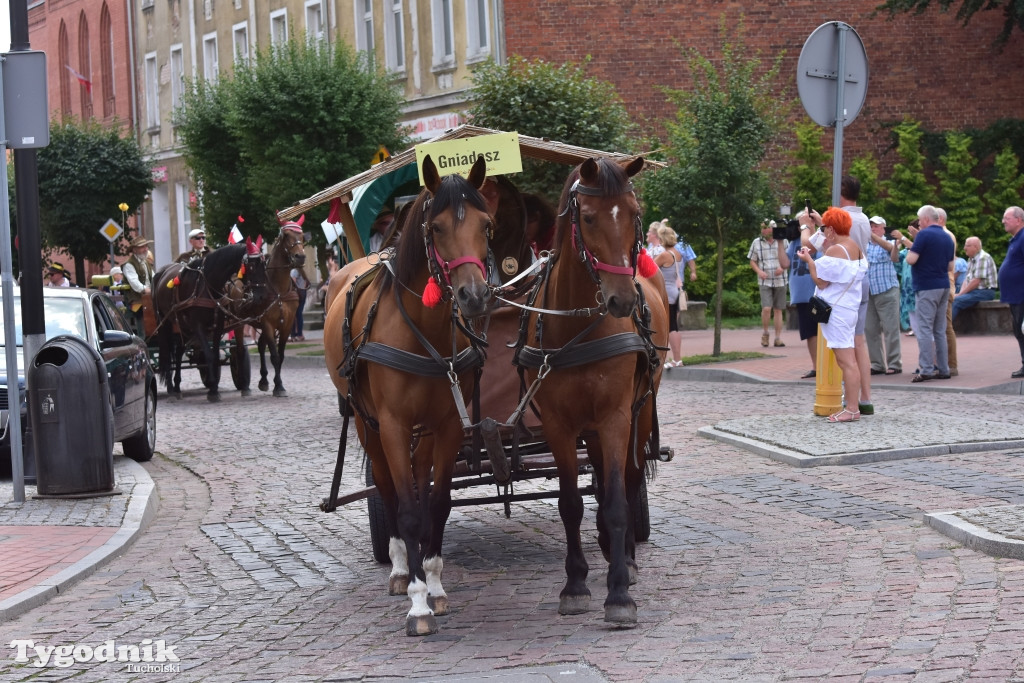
[(882, 328), (1011, 277), (931, 262)]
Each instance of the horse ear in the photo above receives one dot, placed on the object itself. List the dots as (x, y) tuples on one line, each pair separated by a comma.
[(259, 242), (301, 219), (589, 171), (633, 167), (478, 174), (431, 180)]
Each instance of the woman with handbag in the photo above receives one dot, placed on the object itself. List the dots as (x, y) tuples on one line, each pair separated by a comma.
[(838, 276), (668, 261)]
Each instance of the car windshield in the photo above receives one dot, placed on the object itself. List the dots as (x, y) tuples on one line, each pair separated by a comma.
[(63, 316)]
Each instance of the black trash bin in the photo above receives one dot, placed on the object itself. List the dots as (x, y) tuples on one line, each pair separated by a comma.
[(71, 419)]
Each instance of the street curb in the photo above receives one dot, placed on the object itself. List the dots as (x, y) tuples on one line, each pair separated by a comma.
[(798, 459), (139, 513), (732, 375), (974, 537)]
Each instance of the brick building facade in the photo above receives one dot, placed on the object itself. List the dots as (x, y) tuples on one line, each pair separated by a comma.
[(928, 67)]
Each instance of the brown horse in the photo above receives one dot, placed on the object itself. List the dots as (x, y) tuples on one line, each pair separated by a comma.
[(608, 400), (276, 323), (407, 369)]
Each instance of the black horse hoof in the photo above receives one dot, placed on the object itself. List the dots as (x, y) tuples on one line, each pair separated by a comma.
[(213, 398), (280, 393), (263, 385), (573, 604), (623, 616), (245, 392)]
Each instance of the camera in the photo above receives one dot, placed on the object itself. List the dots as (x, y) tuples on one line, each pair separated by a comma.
[(790, 231)]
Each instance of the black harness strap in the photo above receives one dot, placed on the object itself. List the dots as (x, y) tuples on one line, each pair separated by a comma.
[(583, 352), (414, 364)]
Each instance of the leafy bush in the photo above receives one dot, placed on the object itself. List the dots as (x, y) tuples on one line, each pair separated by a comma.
[(737, 304)]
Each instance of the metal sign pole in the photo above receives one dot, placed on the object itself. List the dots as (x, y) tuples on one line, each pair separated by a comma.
[(10, 330), (837, 147)]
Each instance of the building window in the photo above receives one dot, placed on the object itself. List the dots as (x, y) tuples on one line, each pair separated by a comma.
[(177, 76), (279, 27), (394, 36), (444, 33), (478, 33), (84, 66), (314, 20), (364, 25), (211, 64), (152, 76), (107, 62), (240, 40)]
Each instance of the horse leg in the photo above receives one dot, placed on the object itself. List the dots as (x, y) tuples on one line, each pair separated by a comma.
[(575, 597), (278, 359), (619, 607), (444, 450), (179, 353), (596, 457), (420, 620), (262, 346), (398, 581), (211, 359)]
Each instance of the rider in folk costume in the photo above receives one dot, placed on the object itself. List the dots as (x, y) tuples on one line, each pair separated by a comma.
[(139, 273), (197, 240)]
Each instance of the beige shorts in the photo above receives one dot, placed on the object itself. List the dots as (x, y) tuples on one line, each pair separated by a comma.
[(773, 297)]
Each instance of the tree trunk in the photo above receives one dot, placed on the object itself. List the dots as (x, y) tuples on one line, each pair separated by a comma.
[(80, 279), (719, 285)]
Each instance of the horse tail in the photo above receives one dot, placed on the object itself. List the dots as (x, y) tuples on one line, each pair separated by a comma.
[(165, 344)]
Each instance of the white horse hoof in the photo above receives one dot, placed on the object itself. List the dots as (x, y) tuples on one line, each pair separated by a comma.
[(438, 604), (623, 616), (420, 626), (573, 604)]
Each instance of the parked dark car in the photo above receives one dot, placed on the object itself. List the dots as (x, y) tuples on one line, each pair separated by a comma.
[(92, 315)]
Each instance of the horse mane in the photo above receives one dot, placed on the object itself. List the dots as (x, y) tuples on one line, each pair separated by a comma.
[(221, 264), (453, 193), (612, 181)]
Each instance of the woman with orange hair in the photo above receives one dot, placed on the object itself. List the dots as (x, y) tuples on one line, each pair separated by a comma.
[(838, 276)]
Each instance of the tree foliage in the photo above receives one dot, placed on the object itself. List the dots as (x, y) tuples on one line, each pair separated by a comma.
[(84, 174), (1013, 12), (1004, 193), (541, 99), (958, 188), (715, 187), (811, 175), (907, 189), (865, 169), (300, 117)]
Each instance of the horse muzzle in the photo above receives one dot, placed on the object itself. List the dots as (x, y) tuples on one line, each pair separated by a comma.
[(620, 304), (472, 298)]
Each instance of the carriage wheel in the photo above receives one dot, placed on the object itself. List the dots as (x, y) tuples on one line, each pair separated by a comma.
[(379, 537), (241, 368), (642, 515)]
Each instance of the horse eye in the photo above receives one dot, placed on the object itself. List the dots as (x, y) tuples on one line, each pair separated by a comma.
[(589, 220), (435, 227)]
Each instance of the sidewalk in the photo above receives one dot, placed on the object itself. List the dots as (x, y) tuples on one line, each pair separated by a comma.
[(48, 545)]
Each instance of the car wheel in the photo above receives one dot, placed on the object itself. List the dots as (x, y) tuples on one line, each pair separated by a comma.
[(139, 447)]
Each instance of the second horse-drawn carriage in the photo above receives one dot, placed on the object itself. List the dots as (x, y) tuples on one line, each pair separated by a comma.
[(469, 357)]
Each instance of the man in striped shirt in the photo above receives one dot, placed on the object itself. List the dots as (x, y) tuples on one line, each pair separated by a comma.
[(981, 280), (882, 327)]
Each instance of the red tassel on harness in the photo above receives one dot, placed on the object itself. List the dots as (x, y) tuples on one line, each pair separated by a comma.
[(431, 294), (645, 264)]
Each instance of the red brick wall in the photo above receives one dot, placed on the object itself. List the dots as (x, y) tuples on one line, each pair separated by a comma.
[(928, 67)]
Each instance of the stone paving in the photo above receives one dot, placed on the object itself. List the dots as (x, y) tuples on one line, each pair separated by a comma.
[(756, 570)]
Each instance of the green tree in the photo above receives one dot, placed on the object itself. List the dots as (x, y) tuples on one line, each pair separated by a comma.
[(811, 175), (84, 174), (958, 188), (300, 117), (865, 169), (1013, 12), (1004, 192), (722, 130), (907, 189), (543, 100)]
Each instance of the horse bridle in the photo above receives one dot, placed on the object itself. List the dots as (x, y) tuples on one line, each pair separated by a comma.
[(440, 269), (593, 265)]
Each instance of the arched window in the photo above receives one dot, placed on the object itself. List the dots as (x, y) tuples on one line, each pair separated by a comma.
[(66, 77), (107, 61), (84, 66)]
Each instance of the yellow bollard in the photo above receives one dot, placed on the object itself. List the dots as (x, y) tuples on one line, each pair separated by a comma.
[(828, 382)]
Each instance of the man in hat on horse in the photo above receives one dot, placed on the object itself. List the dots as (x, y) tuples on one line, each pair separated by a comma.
[(58, 275), (139, 274), (196, 238)]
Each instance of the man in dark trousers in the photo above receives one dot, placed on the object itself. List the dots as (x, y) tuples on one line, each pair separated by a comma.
[(1011, 278), (931, 262)]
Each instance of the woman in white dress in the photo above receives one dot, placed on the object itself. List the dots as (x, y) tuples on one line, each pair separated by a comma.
[(838, 276)]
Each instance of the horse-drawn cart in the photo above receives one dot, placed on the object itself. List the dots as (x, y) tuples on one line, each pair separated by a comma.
[(497, 298)]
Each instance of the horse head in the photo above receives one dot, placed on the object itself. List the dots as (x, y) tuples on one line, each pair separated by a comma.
[(455, 231), (604, 229), (290, 242)]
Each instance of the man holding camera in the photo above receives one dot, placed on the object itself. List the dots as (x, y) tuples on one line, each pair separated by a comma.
[(882, 328), (768, 259)]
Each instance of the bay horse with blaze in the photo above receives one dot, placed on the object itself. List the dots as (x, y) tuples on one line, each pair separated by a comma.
[(276, 323), (407, 364), (602, 369)]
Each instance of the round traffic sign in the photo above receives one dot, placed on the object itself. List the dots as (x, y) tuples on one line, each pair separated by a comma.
[(816, 73)]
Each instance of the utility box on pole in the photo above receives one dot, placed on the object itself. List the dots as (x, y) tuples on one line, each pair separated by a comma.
[(26, 108)]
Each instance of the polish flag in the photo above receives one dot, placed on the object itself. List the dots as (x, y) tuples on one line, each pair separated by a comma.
[(81, 79), (235, 235)]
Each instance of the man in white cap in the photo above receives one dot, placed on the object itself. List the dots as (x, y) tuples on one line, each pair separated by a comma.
[(882, 326), (197, 239)]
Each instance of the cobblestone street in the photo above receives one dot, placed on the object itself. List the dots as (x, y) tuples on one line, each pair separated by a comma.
[(755, 570)]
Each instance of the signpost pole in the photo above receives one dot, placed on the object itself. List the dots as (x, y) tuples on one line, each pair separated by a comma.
[(837, 147)]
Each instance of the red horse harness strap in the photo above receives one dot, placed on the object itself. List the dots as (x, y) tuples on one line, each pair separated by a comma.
[(448, 266)]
